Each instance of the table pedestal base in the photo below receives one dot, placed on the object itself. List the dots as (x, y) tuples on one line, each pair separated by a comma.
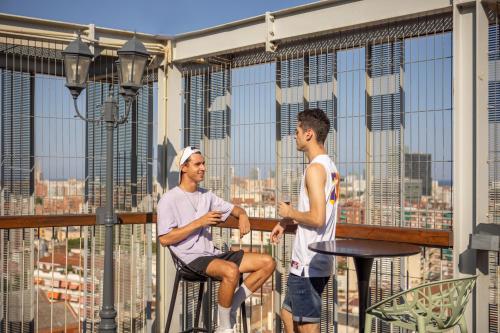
[(363, 270)]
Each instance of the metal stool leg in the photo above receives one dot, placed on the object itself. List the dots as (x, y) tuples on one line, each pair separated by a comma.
[(172, 302), (244, 317), (201, 303), (209, 305), (198, 307), (243, 310)]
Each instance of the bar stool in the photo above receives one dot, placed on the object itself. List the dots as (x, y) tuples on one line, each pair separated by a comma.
[(185, 273)]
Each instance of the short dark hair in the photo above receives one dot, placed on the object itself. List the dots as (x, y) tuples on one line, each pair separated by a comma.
[(317, 120)]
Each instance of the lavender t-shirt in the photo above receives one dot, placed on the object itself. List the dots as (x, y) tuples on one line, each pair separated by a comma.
[(178, 208)]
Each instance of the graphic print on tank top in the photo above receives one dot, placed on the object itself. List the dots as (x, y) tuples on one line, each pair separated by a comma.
[(335, 193)]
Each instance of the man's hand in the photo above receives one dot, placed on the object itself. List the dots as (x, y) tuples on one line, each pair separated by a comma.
[(177, 235), (285, 210), (209, 219), (277, 233), (244, 224)]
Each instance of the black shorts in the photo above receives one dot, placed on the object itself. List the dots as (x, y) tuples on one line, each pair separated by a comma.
[(200, 264)]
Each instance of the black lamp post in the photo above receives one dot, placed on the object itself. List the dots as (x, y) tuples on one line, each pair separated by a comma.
[(133, 57)]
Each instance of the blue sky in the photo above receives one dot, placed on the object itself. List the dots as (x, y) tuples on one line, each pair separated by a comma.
[(166, 17)]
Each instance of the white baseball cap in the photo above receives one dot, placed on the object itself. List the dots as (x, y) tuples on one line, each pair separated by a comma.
[(186, 153), (183, 156)]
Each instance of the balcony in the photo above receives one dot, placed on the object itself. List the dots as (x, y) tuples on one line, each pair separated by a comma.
[(60, 270), (414, 135)]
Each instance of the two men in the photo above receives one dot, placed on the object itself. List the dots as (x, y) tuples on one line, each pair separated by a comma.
[(186, 212)]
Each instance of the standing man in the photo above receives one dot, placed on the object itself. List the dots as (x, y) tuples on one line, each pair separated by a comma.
[(185, 215), (316, 217)]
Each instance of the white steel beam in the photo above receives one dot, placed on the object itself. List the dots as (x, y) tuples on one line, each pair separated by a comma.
[(302, 21), (169, 142), (464, 111), (341, 15), (470, 85), (21, 29), (246, 34), (481, 296)]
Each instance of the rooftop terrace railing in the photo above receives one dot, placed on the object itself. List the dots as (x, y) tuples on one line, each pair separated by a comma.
[(423, 237), (52, 274)]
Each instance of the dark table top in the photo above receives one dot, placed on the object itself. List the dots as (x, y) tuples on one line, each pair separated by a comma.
[(364, 248)]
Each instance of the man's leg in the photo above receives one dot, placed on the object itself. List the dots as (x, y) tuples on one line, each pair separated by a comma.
[(294, 327), (308, 328), (301, 310), (286, 317), (260, 267), (229, 275)]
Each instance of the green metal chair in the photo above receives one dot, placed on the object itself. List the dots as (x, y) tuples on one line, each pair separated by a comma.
[(431, 307)]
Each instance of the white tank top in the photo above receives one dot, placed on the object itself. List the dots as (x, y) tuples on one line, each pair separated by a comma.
[(305, 262)]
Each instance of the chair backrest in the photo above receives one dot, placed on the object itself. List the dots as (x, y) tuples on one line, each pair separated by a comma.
[(441, 303), (178, 263), (186, 272)]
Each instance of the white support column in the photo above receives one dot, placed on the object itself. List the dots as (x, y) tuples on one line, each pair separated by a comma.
[(470, 148), (161, 297), (481, 297), (169, 143)]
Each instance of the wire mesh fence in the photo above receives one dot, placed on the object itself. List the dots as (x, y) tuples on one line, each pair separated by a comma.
[(387, 93), (54, 163)]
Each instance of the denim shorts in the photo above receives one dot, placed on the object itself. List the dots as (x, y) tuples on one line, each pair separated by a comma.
[(303, 298)]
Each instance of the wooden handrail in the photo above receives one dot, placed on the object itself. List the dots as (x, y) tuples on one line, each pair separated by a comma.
[(45, 221), (423, 237)]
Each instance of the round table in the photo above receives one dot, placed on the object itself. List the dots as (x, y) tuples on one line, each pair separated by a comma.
[(363, 253)]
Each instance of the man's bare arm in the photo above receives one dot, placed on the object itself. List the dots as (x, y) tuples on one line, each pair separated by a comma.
[(244, 223), (315, 184), (237, 211)]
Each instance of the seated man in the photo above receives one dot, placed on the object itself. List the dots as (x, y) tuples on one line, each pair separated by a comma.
[(185, 214)]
